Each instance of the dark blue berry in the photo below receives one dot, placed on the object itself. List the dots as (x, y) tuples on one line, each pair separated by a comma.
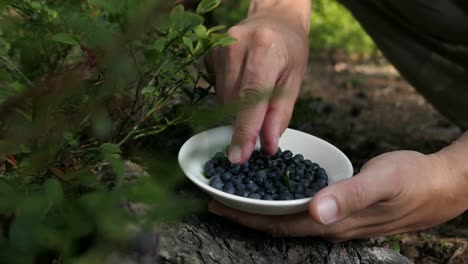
[(272, 175), (267, 197), (298, 196), (236, 180), (220, 169), (309, 192), (255, 196), (235, 169), (261, 192), (321, 174), (251, 174), (295, 177), (242, 192), (285, 196), (229, 188), (216, 183), (252, 187), (226, 176), (210, 172), (271, 190), (247, 181), (268, 184), (297, 188), (287, 155), (275, 196), (299, 157), (305, 183)]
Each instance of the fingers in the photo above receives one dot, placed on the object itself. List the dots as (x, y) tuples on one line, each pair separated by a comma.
[(261, 72), (347, 197), (229, 66), (280, 110), (288, 225)]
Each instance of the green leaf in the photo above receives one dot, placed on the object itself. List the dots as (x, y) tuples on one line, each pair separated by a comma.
[(214, 29), (65, 38), (36, 5), (223, 40), (396, 246), (53, 191), (286, 180), (159, 44), (110, 149), (188, 42), (201, 31), (207, 5), (148, 90)]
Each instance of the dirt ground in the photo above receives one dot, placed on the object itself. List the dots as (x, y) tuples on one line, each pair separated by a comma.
[(367, 109)]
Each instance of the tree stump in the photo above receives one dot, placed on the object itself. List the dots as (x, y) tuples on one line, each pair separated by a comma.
[(211, 239)]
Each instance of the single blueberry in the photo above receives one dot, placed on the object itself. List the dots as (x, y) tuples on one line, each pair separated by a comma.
[(210, 172), (299, 157), (307, 163), (287, 155), (285, 196), (305, 183), (321, 174), (235, 169), (255, 196), (267, 197), (268, 184), (252, 187), (217, 183), (247, 181), (240, 186), (261, 192), (229, 189), (295, 177), (275, 196), (297, 188), (242, 192), (298, 196), (220, 169), (272, 175), (226, 176), (309, 192), (271, 190), (236, 180)]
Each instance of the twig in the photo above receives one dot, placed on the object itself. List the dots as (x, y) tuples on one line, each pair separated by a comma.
[(14, 68)]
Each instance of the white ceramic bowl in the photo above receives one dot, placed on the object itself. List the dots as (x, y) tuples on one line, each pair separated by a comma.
[(201, 147)]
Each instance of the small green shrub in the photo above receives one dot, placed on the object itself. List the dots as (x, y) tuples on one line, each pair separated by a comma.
[(83, 83)]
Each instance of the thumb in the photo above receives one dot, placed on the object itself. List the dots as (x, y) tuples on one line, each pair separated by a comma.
[(344, 198)]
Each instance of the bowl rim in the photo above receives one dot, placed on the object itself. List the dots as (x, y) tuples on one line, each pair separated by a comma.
[(271, 203)]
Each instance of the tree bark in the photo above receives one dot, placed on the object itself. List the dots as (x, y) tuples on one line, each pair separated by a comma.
[(210, 239)]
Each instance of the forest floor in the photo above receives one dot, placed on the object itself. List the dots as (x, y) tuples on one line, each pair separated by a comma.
[(366, 109)]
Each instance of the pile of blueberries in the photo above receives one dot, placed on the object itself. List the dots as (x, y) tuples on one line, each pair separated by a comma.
[(283, 176)]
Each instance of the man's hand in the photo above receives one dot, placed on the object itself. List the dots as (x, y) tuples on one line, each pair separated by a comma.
[(394, 193), (270, 54)]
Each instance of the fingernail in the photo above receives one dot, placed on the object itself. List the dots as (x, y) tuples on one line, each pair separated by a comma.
[(327, 210), (235, 154), (213, 208)]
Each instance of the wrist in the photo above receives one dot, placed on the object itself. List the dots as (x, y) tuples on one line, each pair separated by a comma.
[(454, 160), (298, 10)]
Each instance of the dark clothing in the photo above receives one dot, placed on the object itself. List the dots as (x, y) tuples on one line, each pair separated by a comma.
[(427, 41)]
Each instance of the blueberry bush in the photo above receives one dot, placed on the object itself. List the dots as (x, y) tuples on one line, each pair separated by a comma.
[(83, 84)]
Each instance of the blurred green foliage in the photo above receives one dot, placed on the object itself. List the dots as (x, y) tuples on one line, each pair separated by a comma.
[(82, 84), (332, 26)]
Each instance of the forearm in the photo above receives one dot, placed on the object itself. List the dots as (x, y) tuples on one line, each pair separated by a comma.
[(455, 158), (299, 9)]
